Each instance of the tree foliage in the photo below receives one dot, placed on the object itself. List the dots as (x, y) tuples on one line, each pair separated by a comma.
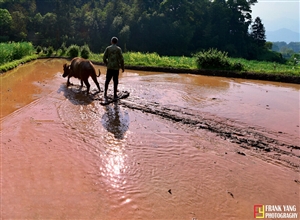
[(258, 32), (168, 27), (5, 21)]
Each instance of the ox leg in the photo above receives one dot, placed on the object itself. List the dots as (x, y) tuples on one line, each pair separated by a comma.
[(68, 82), (81, 83), (96, 82), (86, 82)]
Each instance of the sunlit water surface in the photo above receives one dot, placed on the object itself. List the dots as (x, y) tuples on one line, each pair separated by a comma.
[(147, 167)]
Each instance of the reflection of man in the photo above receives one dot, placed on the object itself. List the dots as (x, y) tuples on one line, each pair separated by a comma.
[(114, 60), (115, 122)]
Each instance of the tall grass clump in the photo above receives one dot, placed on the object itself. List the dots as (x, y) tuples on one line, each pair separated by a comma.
[(85, 51), (63, 49), (214, 59), (15, 51), (22, 49), (155, 60), (73, 51), (39, 49), (50, 51)]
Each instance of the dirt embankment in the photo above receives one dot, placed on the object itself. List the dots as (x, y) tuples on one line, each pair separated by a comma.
[(223, 73)]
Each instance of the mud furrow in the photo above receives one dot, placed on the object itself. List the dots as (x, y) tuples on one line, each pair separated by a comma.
[(258, 141)]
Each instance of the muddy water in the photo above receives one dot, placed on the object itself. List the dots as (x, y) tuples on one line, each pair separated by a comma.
[(267, 104), (66, 156)]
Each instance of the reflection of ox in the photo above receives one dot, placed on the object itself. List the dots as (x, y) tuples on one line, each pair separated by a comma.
[(81, 69)]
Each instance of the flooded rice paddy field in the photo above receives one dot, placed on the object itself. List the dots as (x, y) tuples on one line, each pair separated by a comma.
[(180, 147)]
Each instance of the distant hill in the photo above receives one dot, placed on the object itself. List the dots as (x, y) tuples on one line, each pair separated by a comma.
[(283, 34), (273, 25), (284, 48)]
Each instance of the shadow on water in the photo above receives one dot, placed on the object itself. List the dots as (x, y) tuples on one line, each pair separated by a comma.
[(115, 120), (77, 95)]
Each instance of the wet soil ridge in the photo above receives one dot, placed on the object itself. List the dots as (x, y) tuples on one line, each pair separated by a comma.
[(271, 146), (223, 73)]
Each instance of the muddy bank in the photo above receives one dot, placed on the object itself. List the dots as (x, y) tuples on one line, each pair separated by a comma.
[(223, 73)]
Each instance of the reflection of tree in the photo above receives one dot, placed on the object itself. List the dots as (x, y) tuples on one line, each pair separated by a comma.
[(115, 121)]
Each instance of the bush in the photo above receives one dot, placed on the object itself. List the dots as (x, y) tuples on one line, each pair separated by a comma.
[(50, 51), (63, 49), (237, 66), (294, 60), (73, 51), (45, 50), (15, 51), (22, 49), (85, 51), (214, 59), (38, 49), (271, 56)]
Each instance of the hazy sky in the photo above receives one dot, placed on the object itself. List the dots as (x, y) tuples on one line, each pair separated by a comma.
[(271, 10)]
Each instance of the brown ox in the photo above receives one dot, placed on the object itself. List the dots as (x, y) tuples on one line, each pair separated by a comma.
[(81, 69)]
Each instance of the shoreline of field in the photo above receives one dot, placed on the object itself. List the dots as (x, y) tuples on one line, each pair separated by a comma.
[(276, 77), (222, 73)]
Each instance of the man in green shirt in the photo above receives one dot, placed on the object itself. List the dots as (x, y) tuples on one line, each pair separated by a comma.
[(114, 60)]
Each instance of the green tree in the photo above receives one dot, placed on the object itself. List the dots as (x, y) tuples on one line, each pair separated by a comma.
[(295, 46), (49, 33), (239, 22), (216, 31), (268, 45), (168, 27), (124, 35), (258, 32), (178, 21), (96, 31), (5, 24), (257, 42), (18, 28)]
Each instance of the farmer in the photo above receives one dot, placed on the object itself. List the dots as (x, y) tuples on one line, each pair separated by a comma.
[(114, 60)]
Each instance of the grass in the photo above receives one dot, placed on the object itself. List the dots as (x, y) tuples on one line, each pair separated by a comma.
[(14, 51), (13, 54), (13, 64), (154, 60), (268, 67)]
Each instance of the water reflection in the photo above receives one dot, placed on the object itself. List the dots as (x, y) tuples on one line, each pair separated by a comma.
[(115, 121), (114, 162)]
